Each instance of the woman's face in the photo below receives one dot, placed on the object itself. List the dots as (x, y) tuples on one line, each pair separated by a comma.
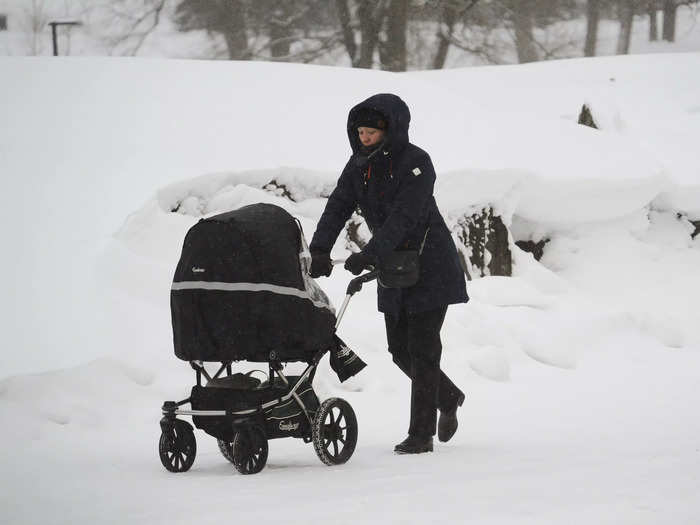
[(370, 136)]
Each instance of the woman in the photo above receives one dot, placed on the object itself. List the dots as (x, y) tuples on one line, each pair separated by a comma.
[(391, 181)]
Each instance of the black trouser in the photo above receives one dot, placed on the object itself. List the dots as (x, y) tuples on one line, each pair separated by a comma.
[(414, 343)]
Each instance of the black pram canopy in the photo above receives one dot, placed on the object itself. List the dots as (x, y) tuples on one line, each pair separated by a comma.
[(241, 290)]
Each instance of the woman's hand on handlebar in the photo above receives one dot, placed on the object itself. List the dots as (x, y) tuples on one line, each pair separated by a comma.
[(358, 262)]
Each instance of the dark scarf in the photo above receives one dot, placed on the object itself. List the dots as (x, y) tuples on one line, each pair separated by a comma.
[(362, 157)]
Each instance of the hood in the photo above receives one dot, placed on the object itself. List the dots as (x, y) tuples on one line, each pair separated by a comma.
[(397, 114)]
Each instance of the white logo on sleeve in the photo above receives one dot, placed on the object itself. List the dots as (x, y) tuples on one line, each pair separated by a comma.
[(198, 270), (417, 171)]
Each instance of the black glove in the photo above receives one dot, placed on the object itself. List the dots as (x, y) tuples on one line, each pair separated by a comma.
[(359, 261), (320, 264)]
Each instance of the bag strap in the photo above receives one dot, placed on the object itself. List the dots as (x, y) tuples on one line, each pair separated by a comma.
[(422, 244)]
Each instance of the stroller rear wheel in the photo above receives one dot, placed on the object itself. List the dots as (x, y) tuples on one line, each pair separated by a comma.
[(177, 447), (226, 449), (249, 450), (334, 431)]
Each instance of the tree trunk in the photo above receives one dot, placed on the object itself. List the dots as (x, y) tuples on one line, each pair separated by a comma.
[(592, 19), (237, 45), (235, 36), (369, 31), (523, 21), (626, 15), (669, 28), (444, 33), (653, 22), (395, 46), (279, 37), (348, 33)]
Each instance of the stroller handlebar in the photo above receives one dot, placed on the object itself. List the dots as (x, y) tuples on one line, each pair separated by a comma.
[(355, 285)]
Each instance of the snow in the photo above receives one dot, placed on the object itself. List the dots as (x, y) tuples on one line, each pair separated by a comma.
[(580, 370)]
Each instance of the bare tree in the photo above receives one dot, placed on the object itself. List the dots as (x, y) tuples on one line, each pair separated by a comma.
[(348, 32), (392, 51), (670, 8), (371, 16), (282, 19), (481, 42), (34, 24), (450, 12), (126, 24), (669, 24), (382, 26), (481, 29), (379, 25), (652, 9), (293, 30), (363, 18), (626, 15), (592, 20), (392, 34), (224, 17), (522, 18)]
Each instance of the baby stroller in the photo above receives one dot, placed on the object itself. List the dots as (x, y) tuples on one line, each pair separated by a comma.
[(242, 292)]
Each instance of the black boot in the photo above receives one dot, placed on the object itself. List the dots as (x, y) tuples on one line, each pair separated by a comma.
[(414, 445), (447, 424)]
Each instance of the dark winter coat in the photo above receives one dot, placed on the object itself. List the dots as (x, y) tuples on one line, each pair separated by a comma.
[(393, 189)]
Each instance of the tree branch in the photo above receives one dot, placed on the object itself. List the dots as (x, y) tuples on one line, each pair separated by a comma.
[(154, 11)]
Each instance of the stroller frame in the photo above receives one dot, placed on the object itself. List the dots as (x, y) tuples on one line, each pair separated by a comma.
[(171, 408), (334, 443)]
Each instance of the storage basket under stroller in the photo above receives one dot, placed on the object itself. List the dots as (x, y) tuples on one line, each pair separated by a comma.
[(242, 292)]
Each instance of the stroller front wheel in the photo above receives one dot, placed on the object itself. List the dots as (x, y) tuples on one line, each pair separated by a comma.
[(177, 447), (334, 431), (249, 450)]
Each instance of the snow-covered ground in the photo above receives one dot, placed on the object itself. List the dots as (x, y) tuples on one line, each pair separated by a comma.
[(580, 370)]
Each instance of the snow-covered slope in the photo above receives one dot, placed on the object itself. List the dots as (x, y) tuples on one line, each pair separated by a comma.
[(91, 139), (99, 153)]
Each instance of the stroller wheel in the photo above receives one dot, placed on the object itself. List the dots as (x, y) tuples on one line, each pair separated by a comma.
[(334, 431), (177, 447), (226, 449), (249, 450)]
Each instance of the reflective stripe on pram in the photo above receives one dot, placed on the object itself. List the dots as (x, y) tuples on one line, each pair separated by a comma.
[(248, 287)]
